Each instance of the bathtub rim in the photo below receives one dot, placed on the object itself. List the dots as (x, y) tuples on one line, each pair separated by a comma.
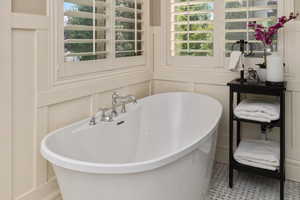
[(127, 168)]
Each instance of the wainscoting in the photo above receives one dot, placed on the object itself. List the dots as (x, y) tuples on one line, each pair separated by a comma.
[(41, 104)]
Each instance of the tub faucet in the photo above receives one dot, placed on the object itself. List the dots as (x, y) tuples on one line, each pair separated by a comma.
[(115, 99), (128, 99), (106, 117)]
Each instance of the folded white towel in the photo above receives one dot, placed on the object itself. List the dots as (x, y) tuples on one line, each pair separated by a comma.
[(255, 164), (234, 62), (254, 109), (259, 153), (255, 116)]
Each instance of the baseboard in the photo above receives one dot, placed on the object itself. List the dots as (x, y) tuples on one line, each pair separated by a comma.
[(55, 195), (47, 191), (292, 166), (293, 170)]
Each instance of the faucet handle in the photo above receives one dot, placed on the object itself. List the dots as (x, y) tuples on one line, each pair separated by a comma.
[(92, 121), (115, 96)]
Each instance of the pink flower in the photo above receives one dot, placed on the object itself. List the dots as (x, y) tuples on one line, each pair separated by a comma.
[(265, 34)]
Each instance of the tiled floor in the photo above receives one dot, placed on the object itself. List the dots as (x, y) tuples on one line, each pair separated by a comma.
[(248, 187)]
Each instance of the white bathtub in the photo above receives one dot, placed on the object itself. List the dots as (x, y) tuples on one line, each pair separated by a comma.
[(162, 149)]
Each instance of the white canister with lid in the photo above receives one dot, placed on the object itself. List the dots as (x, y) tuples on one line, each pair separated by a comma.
[(275, 70)]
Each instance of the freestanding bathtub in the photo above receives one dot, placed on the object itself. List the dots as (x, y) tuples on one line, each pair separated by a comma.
[(161, 149)]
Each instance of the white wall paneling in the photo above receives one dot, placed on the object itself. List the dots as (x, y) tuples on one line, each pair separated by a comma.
[(5, 102), (24, 103), (40, 104)]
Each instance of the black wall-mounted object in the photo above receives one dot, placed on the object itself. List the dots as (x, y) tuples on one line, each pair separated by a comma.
[(243, 47)]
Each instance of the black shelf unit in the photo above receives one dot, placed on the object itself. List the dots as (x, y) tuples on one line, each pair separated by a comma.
[(238, 88)]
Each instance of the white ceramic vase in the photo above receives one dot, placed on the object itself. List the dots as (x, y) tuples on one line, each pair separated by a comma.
[(275, 69), (262, 73)]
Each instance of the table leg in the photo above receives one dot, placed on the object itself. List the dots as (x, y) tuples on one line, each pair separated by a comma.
[(238, 124), (282, 144), (231, 139)]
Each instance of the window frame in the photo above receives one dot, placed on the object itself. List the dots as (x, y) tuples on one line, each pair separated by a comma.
[(219, 60), (65, 70)]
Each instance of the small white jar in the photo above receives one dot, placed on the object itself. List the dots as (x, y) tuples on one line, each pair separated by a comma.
[(275, 70)]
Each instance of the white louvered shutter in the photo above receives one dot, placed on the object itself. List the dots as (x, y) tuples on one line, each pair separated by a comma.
[(85, 30), (192, 28), (238, 14), (129, 28)]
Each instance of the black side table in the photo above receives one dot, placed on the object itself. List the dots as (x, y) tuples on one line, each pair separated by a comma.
[(261, 89)]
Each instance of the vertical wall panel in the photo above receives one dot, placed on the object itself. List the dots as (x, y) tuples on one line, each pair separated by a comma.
[(38, 7), (42, 130), (295, 136), (297, 6), (43, 71), (292, 47), (24, 93), (5, 102), (155, 12)]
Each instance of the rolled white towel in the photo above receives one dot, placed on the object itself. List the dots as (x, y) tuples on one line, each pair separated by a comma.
[(259, 152), (265, 110)]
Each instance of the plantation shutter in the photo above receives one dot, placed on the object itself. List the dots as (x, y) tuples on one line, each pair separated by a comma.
[(85, 30), (129, 28), (192, 28), (238, 14)]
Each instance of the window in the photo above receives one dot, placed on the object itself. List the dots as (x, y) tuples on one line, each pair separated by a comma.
[(192, 27), (202, 32), (238, 14), (102, 29), (129, 28)]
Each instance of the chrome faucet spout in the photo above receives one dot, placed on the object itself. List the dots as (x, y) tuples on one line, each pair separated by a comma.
[(117, 100), (132, 98)]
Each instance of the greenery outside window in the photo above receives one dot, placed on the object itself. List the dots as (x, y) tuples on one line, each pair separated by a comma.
[(103, 29), (192, 27)]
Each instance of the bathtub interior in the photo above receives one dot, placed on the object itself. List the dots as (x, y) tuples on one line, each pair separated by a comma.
[(158, 126)]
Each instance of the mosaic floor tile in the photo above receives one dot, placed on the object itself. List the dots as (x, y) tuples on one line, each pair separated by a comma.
[(248, 187)]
